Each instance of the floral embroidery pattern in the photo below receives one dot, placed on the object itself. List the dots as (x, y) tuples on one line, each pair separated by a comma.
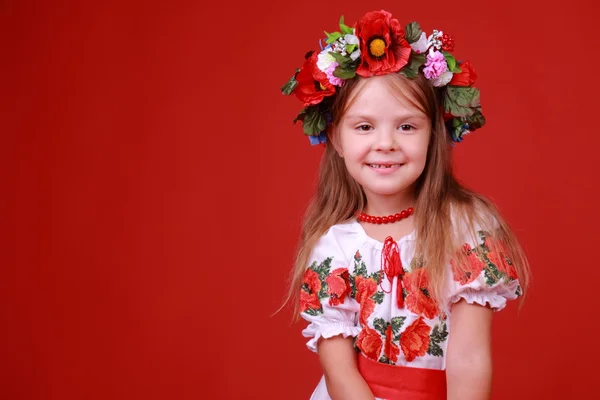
[(439, 334), (418, 298), (338, 286), (364, 289), (489, 257), (391, 333), (369, 343), (318, 283), (415, 339)]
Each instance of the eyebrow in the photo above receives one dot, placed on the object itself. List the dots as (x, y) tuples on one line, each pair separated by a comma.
[(399, 116)]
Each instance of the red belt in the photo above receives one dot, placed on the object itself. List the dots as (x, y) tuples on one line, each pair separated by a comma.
[(393, 382)]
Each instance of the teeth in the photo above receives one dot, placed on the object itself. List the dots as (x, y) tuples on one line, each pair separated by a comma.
[(383, 166)]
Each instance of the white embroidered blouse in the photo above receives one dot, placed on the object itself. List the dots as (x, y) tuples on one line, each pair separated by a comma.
[(346, 292)]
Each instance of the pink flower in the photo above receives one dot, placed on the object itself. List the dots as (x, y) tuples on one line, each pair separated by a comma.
[(334, 80), (435, 65)]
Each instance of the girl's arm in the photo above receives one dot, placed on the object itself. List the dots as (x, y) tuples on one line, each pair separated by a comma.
[(338, 359), (469, 356)]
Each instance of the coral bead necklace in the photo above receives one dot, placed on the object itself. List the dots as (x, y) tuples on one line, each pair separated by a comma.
[(385, 220)]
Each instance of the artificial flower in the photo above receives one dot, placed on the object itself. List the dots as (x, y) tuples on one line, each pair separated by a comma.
[(313, 84), (466, 77), (435, 65), (383, 46), (443, 79), (421, 45)]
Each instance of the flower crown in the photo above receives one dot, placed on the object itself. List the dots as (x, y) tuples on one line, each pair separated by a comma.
[(378, 45)]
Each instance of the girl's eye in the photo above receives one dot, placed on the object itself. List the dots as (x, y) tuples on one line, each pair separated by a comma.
[(364, 128), (406, 128)]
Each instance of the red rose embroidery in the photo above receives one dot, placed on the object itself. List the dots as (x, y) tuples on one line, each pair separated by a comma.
[(414, 341), (497, 255), (369, 343), (390, 349), (419, 299), (383, 47), (309, 295), (338, 286), (470, 269), (313, 84), (466, 77), (365, 288)]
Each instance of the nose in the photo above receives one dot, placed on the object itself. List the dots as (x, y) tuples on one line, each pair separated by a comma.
[(386, 140)]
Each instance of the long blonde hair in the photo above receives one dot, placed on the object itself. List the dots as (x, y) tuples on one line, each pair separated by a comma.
[(442, 203)]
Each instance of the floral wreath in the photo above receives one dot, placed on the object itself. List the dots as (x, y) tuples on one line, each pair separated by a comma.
[(377, 45)]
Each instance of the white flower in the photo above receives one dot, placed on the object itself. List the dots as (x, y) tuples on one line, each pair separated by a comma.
[(421, 45), (355, 54), (351, 39), (443, 80), (324, 60), (435, 39)]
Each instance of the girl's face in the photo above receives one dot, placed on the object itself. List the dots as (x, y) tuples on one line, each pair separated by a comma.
[(383, 138)]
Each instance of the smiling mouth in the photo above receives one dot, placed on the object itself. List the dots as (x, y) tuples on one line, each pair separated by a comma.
[(384, 166)]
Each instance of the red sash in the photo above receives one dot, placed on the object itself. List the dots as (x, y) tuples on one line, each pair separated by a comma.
[(393, 382)]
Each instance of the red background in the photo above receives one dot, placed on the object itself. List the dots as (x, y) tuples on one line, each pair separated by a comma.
[(154, 186)]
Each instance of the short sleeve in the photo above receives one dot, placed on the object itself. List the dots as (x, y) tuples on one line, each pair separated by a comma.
[(483, 274), (325, 300)]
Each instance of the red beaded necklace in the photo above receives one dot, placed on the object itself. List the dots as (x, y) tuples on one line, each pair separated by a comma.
[(385, 220)]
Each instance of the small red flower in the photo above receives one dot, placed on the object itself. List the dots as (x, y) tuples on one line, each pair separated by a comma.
[(419, 299), (365, 288), (338, 286), (414, 341), (390, 349), (313, 84), (309, 294), (383, 46), (447, 42), (466, 77), (497, 255), (369, 342), (470, 269)]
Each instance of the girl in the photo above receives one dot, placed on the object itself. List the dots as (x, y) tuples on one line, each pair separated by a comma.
[(397, 261)]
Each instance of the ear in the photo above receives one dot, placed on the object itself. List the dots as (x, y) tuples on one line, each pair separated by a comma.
[(333, 135)]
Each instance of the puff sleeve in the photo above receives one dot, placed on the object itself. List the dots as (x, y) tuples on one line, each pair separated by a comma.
[(485, 275), (325, 300)]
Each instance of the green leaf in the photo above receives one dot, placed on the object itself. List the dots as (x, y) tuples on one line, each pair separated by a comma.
[(413, 32), (332, 37), (408, 73), (384, 360), (343, 61), (313, 121), (380, 325), (343, 73), (351, 47), (360, 268), (397, 323), (415, 62), (344, 28), (378, 297), (377, 276), (461, 101), (289, 87), (314, 312), (435, 349), (450, 60)]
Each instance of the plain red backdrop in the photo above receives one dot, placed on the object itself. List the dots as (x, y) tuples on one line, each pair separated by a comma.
[(154, 186)]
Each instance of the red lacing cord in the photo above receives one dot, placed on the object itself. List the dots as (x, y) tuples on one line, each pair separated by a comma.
[(391, 266)]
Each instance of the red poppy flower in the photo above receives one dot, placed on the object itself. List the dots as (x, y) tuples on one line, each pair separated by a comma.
[(468, 271), (313, 84), (466, 77), (365, 288), (497, 255), (390, 349), (309, 295), (383, 46), (338, 286), (419, 298), (369, 342), (414, 341)]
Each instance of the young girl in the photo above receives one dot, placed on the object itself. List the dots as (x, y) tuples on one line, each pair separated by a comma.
[(399, 266)]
